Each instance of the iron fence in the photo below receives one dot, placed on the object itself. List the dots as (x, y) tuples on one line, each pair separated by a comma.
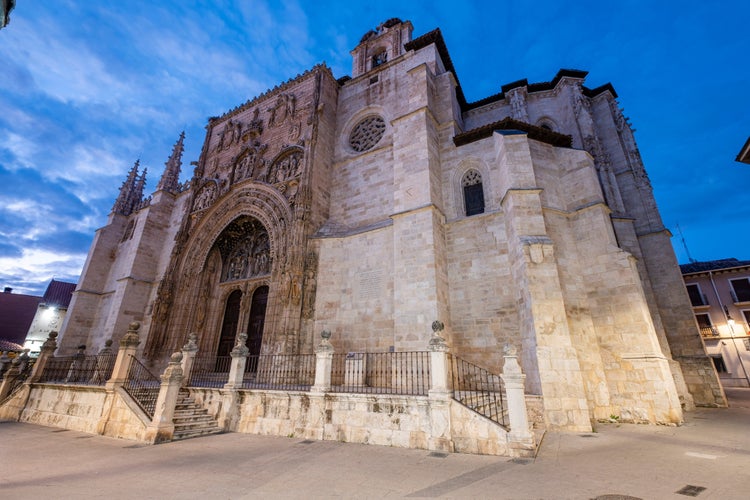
[(78, 369), (210, 371), (284, 372), (25, 369), (478, 389), (406, 373), (143, 386)]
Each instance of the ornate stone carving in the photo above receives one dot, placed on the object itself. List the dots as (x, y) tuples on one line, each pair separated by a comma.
[(288, 165), (246, 163), (245, 248), (229, 135), (517, 99), (367, 133), (284, 108), (205, 195)]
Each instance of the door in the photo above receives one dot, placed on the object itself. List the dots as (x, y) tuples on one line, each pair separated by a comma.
[(229, 326), (257, 320)]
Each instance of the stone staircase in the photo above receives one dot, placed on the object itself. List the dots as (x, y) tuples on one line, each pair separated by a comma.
[(192, 420)]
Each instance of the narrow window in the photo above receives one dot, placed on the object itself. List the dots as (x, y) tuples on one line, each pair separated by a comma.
[(696, 297), (741, 290), (719, 364), (473, 193)]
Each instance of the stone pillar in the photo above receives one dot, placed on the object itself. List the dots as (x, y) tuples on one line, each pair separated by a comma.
[(128, 347), (438, 362), (239, 359), (439, 394), (228, 414), (47, 351), (6, 386), (520, 439), (188, 358), (323, 364), (161, 428)]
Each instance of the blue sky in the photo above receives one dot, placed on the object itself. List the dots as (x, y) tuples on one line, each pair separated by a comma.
[(86, 88)]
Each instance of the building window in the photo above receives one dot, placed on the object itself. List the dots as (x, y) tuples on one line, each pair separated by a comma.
[(719, 364), (746, 315), (473, 192), (705, 326), (740, 290), (696, 297), (379, 58), (367, 133)]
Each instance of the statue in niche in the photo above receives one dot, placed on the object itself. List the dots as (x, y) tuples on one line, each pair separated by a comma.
[(295, 291), (204, 197), (309, 297), (286, 167)]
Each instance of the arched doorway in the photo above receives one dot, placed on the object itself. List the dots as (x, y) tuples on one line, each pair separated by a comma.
[(257, 320), (229, 325)]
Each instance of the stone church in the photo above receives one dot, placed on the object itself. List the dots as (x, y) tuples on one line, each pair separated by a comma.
[(374, 204)]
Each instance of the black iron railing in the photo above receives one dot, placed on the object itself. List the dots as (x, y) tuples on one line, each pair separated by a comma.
[(406, 373), (78, 369), (20, 378), (709, 331), (210, 371), (143, 386), (283, 372), (478, 389)]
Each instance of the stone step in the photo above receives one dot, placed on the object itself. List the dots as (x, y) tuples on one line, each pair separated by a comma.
[(194, 421), (193, 434)]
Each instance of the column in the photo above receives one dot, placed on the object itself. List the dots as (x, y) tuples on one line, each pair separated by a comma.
[(161, 428)]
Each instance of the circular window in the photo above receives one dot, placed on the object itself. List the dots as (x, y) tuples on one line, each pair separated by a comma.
[(367, 133)]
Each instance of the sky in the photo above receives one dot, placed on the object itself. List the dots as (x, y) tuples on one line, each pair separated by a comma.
[(87, 88)]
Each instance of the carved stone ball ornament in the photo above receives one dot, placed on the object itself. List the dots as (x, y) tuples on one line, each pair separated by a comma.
[(367, 133)]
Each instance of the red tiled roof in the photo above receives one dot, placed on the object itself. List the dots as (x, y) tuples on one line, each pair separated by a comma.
[(16, 314), (59, 293)]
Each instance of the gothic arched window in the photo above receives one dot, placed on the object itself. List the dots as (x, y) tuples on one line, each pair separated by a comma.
[(473, 192)]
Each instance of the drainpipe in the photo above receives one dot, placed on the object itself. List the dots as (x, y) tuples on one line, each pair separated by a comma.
[(731, 328)]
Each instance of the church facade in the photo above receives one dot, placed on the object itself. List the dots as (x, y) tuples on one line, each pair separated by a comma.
[(372, 205)]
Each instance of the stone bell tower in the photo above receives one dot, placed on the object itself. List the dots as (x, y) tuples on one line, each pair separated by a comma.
[(381, 45)]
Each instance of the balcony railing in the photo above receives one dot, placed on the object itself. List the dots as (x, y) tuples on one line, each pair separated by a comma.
[(709, 331)]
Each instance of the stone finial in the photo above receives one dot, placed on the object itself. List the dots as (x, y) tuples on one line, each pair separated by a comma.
[(325, 342), (240, 346), (51, 343), (173, 372), (437, 343), (511, 366), (131, 338), (192, 344)]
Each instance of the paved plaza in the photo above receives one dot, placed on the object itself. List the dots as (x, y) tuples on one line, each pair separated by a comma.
[(707, 457)]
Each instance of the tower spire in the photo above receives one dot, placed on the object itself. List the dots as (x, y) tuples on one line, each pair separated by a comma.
[(170, 179), (124, 203)]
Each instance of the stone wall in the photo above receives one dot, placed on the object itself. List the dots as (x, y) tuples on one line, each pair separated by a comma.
[(79, 408), (399, 421)]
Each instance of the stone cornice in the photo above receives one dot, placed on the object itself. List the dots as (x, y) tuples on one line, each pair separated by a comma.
[(537, 133)]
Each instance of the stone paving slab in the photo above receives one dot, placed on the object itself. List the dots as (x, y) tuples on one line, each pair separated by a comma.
[(708, 457)]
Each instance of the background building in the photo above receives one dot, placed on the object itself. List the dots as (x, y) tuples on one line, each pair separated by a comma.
[(49, 315), (374, 204), (16, 314), (719, 291)]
